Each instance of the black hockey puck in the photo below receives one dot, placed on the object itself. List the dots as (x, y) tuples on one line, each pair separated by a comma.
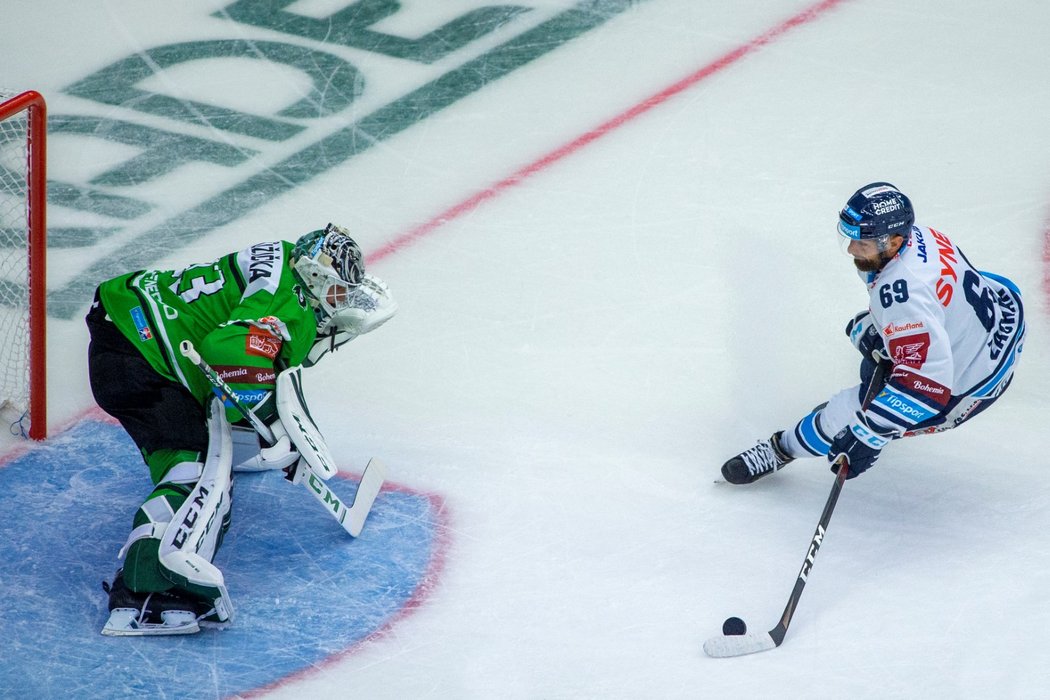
[(733, 626)]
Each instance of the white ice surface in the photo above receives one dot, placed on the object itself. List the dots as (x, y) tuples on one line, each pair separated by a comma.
[(575, 357)]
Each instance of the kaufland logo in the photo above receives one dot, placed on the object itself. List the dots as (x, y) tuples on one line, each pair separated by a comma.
[(892, 328)]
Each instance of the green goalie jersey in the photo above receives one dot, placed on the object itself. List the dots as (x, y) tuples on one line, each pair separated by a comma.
[(245, 313)]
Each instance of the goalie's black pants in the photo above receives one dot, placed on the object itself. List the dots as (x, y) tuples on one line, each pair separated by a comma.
[(157, 412)]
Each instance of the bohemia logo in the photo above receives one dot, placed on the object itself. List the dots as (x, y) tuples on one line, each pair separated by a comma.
[(245, 375), (917, 385), (228, 373)]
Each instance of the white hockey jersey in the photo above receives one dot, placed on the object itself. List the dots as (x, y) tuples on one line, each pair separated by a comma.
[(952, 333)]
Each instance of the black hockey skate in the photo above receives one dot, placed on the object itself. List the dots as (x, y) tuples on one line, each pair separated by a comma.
[(141, 614), (751, 465)]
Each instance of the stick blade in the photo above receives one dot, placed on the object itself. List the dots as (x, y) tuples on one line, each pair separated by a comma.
[(724, 646), (371, 483)]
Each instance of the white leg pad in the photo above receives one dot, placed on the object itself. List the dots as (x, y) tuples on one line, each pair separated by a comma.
[(191, 538)]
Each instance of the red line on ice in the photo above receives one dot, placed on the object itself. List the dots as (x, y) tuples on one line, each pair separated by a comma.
[(467, 205), (435, 566), (808, 15)]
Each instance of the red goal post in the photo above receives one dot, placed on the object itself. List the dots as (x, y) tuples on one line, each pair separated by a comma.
[(23, 250)]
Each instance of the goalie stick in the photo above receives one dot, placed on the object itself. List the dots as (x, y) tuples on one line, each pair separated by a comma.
[(352, 519), (739, 644)]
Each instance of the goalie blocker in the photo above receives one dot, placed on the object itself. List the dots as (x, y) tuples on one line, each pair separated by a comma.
[(296, 432)]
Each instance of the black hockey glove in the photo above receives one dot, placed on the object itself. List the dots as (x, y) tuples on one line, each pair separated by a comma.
[(866, 337), (860, 445)]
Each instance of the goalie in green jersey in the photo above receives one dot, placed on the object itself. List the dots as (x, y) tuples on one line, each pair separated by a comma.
[(250, 314)]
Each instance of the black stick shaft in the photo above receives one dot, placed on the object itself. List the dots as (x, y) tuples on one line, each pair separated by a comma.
[(878, 378)]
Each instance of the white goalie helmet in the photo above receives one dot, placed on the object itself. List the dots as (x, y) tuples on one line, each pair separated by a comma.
[(330, 267)]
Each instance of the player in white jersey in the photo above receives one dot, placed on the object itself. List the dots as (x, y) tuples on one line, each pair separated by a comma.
[(949, 334)]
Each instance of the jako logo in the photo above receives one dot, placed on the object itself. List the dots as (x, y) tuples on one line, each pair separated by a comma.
[(920, 244)]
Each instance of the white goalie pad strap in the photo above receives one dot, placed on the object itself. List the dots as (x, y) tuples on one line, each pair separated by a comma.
[(142, 532), (159, 512), (201, 572), (184, 473), (300, 426)]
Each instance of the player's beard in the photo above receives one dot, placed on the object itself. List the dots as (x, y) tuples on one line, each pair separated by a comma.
[(871, 265)]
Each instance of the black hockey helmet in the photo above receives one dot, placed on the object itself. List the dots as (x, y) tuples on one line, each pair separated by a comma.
[(877, 211)]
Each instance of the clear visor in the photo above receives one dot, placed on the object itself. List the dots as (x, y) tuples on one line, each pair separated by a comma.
[(850, 234), (849, 231)]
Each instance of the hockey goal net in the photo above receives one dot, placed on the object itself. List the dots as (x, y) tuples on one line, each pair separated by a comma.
[(23, 183)]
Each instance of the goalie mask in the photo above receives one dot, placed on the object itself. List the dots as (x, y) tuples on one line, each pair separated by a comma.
[(329, 266)]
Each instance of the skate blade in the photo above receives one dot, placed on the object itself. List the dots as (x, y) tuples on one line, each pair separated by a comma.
[(123, 622)]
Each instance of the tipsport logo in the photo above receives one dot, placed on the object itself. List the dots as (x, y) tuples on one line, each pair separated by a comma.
[(155, 137), (900, 405)]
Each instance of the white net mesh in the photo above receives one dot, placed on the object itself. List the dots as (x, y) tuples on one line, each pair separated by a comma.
[(14, 269)]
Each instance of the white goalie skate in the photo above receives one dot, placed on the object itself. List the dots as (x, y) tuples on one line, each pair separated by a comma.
[(147, 614)]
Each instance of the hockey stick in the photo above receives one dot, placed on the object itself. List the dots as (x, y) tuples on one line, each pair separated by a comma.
[(353, 518), (751, 642)]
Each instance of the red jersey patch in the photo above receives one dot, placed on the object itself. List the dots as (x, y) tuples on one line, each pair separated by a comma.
[(261, 343), (910, 350), (892, 328), (241, 374), (919, 385)]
